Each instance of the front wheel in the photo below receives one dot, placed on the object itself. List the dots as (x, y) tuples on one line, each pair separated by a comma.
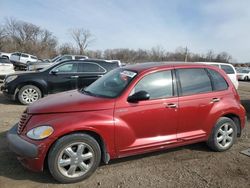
[(246, 78), (74, 158), (29, 94), (223, 135)]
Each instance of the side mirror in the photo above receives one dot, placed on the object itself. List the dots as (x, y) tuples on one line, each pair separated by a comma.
[(54, 71), (139, 96)]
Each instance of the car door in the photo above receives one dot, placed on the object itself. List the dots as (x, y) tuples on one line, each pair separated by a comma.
[(88, 72), (149, 124), (63, 77), (195, 103), (24, 58)]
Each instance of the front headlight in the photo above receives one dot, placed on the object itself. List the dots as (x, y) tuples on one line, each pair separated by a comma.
[(41, 132), (10, 78)]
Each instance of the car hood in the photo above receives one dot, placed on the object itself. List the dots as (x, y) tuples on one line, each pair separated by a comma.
[(70, 101)]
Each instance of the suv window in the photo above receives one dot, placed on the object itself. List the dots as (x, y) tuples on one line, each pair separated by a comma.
[(158, 85), (228, 69), (67, 67), (90, 68), (24, 55), (194, 81), (219, 83), (67, 57)]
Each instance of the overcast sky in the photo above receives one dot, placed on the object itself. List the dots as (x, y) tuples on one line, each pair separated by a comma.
[(220, 25)]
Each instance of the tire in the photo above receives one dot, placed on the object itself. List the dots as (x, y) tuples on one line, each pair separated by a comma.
[(246, 78), (69, 151), (29, 94), (223, 135)]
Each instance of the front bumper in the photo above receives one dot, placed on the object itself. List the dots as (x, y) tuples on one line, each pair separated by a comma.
[(20, 146), (6, 93), (30, 155)]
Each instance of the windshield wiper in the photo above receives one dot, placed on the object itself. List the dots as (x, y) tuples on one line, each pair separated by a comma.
[(87, 92)]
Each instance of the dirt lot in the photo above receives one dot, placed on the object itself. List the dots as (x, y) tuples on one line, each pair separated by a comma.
[(189, 166)]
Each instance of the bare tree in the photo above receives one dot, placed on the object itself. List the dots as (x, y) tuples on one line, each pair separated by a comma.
[(27, 37), (83, 38)]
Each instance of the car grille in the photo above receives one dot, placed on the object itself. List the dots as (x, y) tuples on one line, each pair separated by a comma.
[(23, 121)]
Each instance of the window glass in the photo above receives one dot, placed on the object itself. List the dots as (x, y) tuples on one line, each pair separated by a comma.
[(33, 57), (24, 55), (68, 67), (111, 84), (194, 81), (80, 57), (90, 67), (228, 69), (219, 83), (63, 58), (158, 85)]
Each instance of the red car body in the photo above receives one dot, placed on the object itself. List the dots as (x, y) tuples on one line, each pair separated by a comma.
[(130, 128)]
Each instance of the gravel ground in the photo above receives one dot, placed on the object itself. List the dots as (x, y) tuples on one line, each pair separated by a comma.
[(189, 166)]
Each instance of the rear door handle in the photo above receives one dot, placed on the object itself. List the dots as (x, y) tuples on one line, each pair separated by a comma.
[(215, 100), (74, 77), (171, 105)]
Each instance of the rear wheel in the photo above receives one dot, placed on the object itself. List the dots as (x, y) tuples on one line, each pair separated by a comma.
[(29, 94), (246, 78), (223, 135), (74, 158)]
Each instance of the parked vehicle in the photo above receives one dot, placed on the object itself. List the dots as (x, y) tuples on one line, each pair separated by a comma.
[(20, 60), (28, 87), (43, 64), (243, 74), (229, 69), (131, 110), (6, 67)]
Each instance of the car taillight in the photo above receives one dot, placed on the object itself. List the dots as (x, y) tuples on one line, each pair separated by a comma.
[(23, 121)]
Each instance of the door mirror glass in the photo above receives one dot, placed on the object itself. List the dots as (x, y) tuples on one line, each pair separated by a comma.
[(139, 96)]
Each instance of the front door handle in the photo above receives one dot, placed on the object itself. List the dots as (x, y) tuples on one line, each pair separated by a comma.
[(171, 105), (73, 77), (215, 100)]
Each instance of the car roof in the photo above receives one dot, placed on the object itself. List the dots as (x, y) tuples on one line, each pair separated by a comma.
[(139, 67)]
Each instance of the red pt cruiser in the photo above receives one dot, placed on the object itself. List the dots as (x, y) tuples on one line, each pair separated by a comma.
[(131, 110)]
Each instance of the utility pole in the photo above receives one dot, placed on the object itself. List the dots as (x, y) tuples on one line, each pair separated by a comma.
[(186, 54)]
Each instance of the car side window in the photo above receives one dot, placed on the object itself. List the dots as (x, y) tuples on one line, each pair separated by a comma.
[(67, 67), (228, 69), (90, 68), (24, 55), (218, 82), (158, 85), (194, 81)]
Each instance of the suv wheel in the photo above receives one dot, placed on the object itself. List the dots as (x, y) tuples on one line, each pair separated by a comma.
[(223, 135), (74, 158), (29, 94), (246, 78)]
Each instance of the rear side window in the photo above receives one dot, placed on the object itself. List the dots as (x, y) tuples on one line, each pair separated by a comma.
[(24, 55), (194, 81), (228, 69), (218, 82), (90, 68), (158, 85)]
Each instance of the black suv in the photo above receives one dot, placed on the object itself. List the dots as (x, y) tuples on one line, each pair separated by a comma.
[(28, 87)]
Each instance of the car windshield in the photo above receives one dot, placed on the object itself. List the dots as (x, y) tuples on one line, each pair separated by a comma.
[(112, 84), (244, 71)]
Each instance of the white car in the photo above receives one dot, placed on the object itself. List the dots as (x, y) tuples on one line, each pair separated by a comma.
[(243, 74), (22, 57), (6, 67), (229, 69)]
